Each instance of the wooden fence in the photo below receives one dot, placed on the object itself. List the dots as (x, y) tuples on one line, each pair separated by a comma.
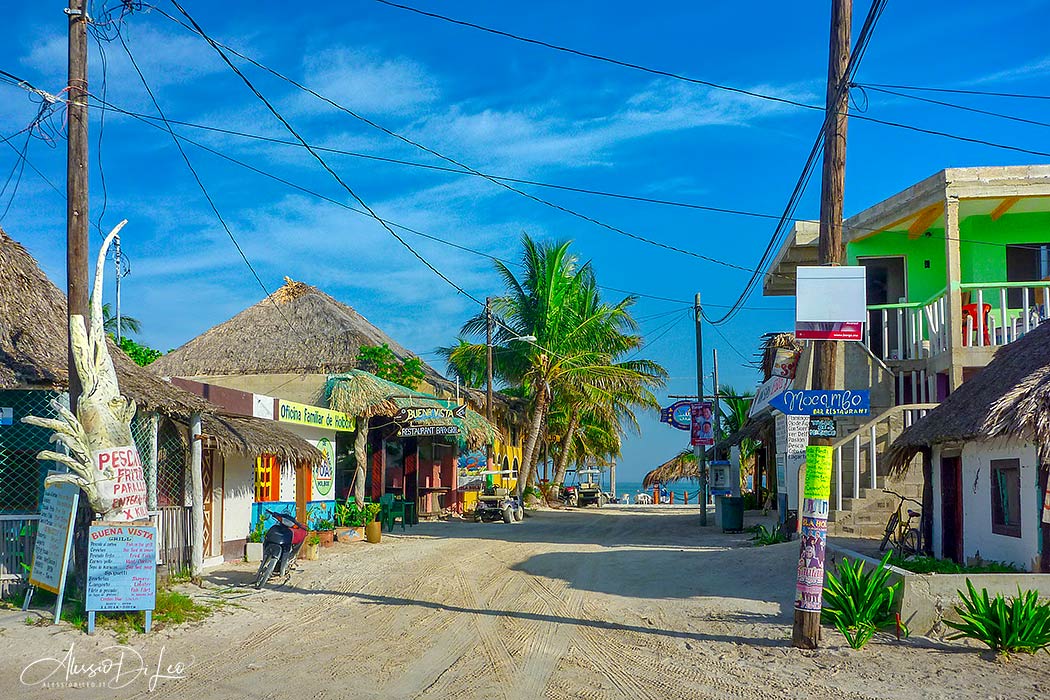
[(17, 535)]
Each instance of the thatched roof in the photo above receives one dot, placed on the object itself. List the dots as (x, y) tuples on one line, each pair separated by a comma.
[(771, 342), (681, 466), (365, 395), (1009, 397), (252, 436), (298, 329), (34, 334)]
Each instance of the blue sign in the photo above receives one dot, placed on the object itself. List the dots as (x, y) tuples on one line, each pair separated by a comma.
[(807, 402), (677, 415)]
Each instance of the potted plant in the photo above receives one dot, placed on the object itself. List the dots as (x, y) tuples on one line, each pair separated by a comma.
[(313, 541), (373, 528), (253, 548), (325, 529), (349, 522)]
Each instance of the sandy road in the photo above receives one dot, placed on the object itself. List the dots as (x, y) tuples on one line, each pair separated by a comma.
[(596, 604)]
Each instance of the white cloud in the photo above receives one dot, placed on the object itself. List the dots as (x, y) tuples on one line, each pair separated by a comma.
[(1036, 68), (365, 82)]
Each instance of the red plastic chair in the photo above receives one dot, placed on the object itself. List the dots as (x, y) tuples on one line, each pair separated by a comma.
[(970, 312)]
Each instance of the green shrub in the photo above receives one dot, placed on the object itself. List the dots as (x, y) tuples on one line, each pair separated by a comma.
[(257, 533), (761, 536), (859, 603), (1005, 626), (372, 512), (929, 565)]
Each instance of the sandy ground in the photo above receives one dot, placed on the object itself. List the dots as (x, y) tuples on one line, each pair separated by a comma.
[(616, 603)]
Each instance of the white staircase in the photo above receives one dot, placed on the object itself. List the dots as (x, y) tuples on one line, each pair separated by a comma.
[(859, 506)]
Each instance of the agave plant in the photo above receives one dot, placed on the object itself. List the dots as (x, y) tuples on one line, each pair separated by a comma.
[(1005, 626), (859, 603)]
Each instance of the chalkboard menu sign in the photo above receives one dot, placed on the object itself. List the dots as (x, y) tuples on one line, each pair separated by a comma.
[(122, 567), (53, 537)]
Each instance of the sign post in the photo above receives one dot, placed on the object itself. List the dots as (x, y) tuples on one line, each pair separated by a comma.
[(121, 570), (813, 535), (54, 542)]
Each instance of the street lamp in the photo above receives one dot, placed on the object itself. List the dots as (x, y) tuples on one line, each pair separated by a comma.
[(488, 391)]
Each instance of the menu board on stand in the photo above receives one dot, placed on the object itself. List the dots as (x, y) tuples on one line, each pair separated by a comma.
[(122, 569), (54, 542)]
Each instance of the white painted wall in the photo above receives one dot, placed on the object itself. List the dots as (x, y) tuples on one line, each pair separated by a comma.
[(313, 436), (978, 538), (237, 497)]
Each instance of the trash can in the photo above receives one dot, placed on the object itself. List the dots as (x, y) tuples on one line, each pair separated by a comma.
[(732, 508)]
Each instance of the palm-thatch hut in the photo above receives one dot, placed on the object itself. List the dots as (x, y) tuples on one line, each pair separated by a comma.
[(289, 345), (33, 371), (682, 466), (985, 453), (411, 465)]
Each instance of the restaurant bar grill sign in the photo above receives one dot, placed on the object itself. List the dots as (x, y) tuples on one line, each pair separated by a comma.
[(428, 421)]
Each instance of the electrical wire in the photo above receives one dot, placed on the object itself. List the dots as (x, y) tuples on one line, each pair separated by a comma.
[(222, 48), (200, 184), (273, 110), (604, 59), (459, 171), (960, 91), (856, 56), (953, 105)]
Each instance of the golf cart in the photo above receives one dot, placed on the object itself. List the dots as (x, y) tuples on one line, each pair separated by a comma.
[(589, 488), (497, 502)]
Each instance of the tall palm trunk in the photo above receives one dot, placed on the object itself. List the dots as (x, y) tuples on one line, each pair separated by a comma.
[(539, 413), (563, 456), (360, 457)]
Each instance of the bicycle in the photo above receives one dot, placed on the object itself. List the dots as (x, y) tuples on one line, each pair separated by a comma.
[(907, 540)]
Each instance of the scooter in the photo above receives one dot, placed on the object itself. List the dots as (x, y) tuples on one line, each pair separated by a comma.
[(280, 546)]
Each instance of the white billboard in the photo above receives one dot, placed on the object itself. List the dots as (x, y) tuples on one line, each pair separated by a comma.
[(830, 303)]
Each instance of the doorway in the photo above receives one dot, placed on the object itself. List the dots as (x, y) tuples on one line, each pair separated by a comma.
[(212, 480), (885, 283), (951, 509)]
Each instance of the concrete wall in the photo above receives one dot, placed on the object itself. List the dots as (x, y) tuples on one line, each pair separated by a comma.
[(978, 538), (927, 599)]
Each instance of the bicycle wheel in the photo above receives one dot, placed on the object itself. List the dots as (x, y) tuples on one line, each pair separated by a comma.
[(891, 529), (910, 544)]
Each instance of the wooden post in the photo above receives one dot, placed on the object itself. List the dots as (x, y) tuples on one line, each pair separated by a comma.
[(154, 457), (77, 268), (698, 450), (806, 630), (196, 498)]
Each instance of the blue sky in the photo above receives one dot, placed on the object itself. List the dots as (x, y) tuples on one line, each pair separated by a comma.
[(505, 108)]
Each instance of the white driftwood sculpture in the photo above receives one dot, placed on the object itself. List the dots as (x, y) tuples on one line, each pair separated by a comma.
[(103, 460)]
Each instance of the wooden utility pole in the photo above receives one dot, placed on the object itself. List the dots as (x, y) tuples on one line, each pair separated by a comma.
[(698, 450), (77, 270), (488, 375), (806, 631), (77, 181)]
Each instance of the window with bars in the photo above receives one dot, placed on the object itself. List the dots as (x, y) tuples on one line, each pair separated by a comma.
[(267, 479), (1006, 497)]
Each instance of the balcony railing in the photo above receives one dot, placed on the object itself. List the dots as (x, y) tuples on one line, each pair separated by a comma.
[(1001, 311)]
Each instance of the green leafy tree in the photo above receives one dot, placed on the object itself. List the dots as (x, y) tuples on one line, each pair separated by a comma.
[(381, 361), (142, 355)]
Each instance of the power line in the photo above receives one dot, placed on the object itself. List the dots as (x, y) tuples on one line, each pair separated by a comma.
[(604, 59), (220, 47), (953, 105), (459, 171), (959, 91), (200, 184), (872, 18), (318, 157), (722, 335)]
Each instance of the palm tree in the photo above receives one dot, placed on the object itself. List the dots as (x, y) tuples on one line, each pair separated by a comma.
[(577, 357), (128, 324), (735, 407)]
